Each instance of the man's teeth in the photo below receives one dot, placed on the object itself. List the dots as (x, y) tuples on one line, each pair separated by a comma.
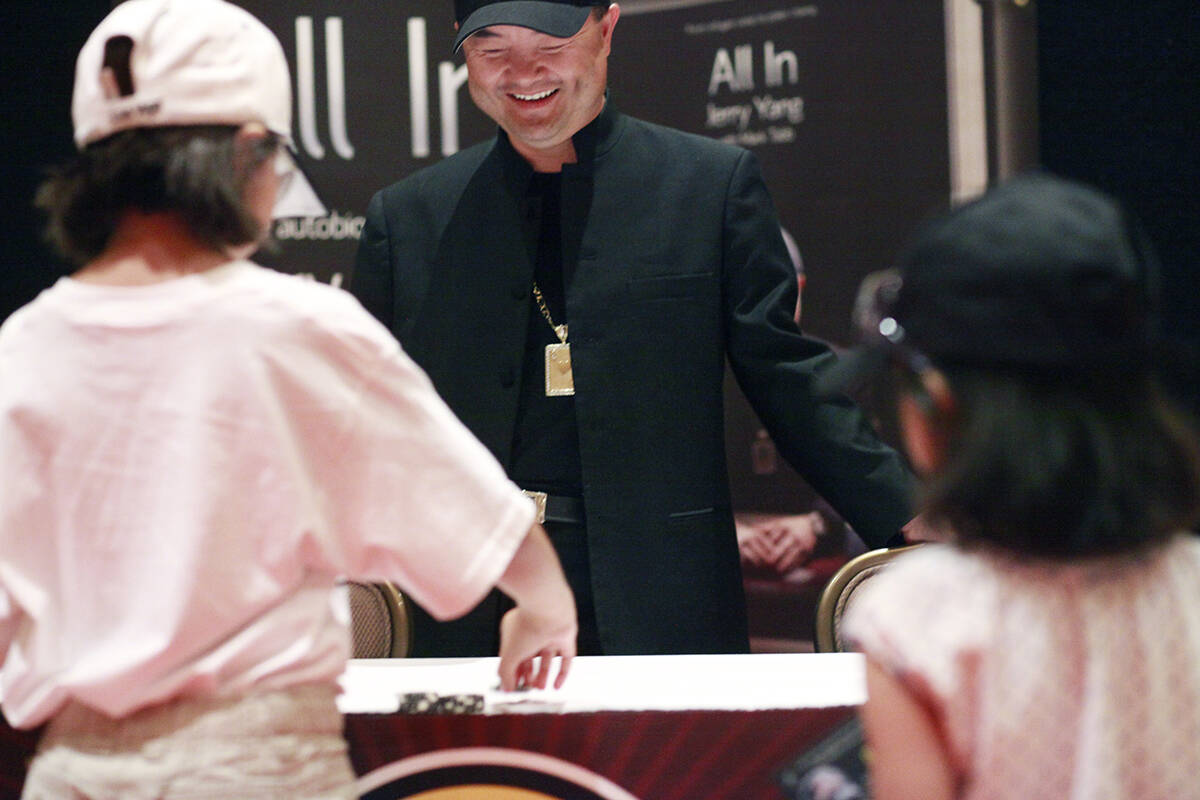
[(537, 96)]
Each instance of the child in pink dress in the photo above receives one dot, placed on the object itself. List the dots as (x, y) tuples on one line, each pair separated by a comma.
[(1050, 649)]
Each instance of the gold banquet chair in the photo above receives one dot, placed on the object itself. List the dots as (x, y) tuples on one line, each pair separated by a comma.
[(838, 594), (380, 620)]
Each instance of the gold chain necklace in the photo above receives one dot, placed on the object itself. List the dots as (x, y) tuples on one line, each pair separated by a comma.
[(560, 380), (559, 330)]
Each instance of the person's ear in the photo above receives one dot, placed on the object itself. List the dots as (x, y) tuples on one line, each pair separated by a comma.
[(927, 406), (607, 23)]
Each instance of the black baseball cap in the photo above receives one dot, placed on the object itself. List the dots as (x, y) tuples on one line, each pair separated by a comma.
[(1040, 273), (561, 18)]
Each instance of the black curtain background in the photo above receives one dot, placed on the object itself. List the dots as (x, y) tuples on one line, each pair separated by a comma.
[(37, 66), (1119, 93)]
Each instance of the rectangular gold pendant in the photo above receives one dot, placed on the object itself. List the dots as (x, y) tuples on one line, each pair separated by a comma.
[(559, 380)]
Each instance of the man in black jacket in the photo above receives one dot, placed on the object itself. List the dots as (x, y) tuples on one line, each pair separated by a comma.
[(573, 289)]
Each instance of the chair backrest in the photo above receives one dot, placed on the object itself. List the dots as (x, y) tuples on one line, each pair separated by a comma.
[(380, 620), (838, 595)]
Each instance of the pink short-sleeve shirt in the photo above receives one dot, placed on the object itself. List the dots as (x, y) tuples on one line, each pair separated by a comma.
[(1077, 682), (185, 470)]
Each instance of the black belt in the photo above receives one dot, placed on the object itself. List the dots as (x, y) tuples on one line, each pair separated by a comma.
[(557, 508)]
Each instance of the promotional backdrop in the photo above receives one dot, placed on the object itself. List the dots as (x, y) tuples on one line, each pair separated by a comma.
[(845, 103)]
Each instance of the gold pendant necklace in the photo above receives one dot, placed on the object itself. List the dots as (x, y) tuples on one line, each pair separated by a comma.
[(559, 379)]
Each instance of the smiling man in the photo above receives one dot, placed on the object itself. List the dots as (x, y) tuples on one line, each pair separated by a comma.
[(573, 288), (541, 88)]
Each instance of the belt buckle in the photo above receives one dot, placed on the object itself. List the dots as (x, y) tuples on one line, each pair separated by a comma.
[(539, 500)]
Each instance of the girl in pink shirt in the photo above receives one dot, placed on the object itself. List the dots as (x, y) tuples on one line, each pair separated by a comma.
[(1050, 649), (194, 449)]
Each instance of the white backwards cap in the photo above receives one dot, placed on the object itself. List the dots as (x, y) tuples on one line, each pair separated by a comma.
[(157, 63)]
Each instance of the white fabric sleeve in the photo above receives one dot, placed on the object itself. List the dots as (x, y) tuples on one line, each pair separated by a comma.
[(406, 492)]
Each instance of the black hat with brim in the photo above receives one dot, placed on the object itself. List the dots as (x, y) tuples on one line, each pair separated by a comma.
[(1039, 274), (560, 18)]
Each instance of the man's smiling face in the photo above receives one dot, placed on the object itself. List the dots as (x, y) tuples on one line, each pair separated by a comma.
[(539, 88)]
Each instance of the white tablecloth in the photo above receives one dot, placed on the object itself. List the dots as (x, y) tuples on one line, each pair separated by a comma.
[(620, 683)]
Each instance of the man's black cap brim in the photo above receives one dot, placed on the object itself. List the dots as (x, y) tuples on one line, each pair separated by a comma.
[(555, 19)]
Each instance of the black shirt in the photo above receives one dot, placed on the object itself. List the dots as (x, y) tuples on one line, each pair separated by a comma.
[(545, 451)]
